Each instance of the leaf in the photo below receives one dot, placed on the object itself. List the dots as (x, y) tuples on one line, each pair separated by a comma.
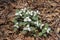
[(44, 35), (46, 25), (23, 32), (15, 21), (17, 11), (15, 29), (44, 31), (22, 23), (40, 34), (35, 18), (34, 35)]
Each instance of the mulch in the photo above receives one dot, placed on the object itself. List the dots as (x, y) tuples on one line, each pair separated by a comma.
[(50, 13)]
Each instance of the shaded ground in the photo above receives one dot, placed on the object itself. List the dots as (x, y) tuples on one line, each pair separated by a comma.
[(50, 13)]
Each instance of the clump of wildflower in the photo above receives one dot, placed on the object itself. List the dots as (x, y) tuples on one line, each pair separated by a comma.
[(28, 20)]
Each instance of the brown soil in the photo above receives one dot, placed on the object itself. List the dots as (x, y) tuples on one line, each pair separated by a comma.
[(50, 13)]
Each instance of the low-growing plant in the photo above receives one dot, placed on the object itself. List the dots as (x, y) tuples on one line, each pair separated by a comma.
[(29, 22)]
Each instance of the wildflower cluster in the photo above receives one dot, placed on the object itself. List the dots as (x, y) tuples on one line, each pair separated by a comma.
[(28, 21)]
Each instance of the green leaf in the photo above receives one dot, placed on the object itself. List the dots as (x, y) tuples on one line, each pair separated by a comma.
[(23, 32), (44, 35), (34, 18), (17, 11), (44, 31), (22, 23), (40, 34), (46, 25), (34, 35), (15, 21), (15, 29)]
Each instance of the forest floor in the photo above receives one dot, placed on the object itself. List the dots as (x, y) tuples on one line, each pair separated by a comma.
[(50, 13)]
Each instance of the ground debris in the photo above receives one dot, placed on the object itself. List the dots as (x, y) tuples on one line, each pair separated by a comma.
[(50, 13)]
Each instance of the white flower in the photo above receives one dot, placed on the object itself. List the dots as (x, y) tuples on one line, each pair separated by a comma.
[(31, 13), (45, 28), (27, 12), (20, 14), (48, 30), (27, 25), (24, 9), (41, 26), (27, 28), (17, 23), (16, 26), (17, 14), (37, 23), (27, 19), (35, 13)]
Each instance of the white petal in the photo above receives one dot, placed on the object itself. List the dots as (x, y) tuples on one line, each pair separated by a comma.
[(48, 30), (17, 23), (31, 11), (29, 19), (41, 26), (45, 28), (29, 29), (22, 9), (17, 14), (20, 14), (27, 25), (16, 26), (27, 12), (25, 19), (34, 22), (31, 14), (37, 23), (37, 11), (25, 28)]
